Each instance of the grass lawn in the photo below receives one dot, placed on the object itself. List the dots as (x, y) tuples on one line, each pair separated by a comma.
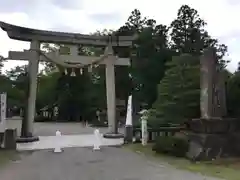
[(7, 156), (224, 168)]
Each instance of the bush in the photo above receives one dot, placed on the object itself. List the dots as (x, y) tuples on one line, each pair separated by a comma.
[(174, 146)]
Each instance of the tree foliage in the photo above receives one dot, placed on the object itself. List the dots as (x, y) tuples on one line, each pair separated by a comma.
[(233, 94), (179, 90), (189, 36)]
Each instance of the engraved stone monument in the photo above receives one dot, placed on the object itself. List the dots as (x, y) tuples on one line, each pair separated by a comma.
[(211, 134)]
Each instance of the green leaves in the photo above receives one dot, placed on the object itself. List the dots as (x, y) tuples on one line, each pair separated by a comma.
[(233, 94), (178, 92), (14, 84), (189, 36)]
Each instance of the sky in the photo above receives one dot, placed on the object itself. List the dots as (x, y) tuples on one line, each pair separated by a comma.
[(85, 16)]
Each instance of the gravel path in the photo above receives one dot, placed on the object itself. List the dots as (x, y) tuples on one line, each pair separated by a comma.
[(84, 164)]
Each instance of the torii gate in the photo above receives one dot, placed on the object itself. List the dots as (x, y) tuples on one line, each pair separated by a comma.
[(34, 55)]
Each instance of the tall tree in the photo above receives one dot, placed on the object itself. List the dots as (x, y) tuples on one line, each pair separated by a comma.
[(149, 52), (47, 91), (18, 79), (233, 94), (189, 36), (179, 90)]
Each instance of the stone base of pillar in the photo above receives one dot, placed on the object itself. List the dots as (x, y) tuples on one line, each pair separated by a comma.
[(212, 146), (214, 125), (113, 135), (213, 138), (27, 139), (128, 138)]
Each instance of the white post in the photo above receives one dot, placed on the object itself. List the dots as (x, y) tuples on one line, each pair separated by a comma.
[(33, 72), (58, 145), (3, 107), (97, 142), (110, 89), (128, 125), (129, 112), (144, 130)]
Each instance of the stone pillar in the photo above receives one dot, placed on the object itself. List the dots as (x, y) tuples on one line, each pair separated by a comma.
[(111, 95), (211, 135), (208, 71), (27, 128), (111, 98), (33, 72)]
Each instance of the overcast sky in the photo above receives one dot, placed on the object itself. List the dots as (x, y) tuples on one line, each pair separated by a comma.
[(86, 16)]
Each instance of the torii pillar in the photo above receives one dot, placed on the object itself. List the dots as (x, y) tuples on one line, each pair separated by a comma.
[(28, 121), (111, 94)]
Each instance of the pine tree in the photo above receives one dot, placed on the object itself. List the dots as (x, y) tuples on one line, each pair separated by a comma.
[(179, 90)]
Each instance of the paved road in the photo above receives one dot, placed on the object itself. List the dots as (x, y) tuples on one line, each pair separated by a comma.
[(84, 164)]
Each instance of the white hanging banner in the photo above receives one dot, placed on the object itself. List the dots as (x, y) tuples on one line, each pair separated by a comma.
[(129, 112), (3, 107)]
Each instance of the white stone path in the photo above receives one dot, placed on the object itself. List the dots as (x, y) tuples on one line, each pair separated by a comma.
[(83, 140)]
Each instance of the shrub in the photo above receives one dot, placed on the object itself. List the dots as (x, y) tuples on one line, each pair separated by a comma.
[(171, 145), (163, 145), (180, 147)]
